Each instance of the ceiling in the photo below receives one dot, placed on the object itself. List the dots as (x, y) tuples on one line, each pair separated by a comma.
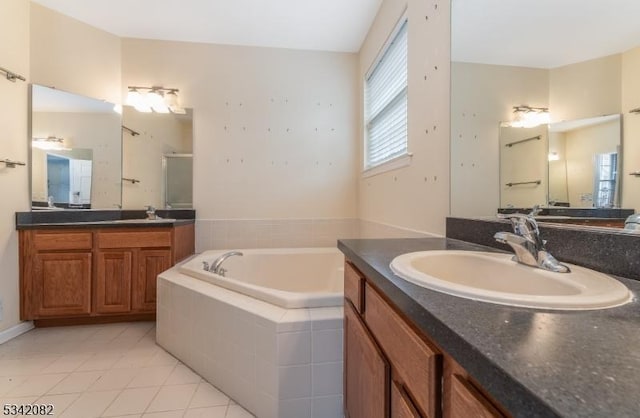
[(570, 125), (539, 34), (542, 33), (325, 25)]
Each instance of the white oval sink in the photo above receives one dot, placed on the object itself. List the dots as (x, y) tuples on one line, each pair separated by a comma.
[(496, 278)]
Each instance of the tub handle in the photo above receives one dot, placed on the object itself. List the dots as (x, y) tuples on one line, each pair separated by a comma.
[(205, 266)]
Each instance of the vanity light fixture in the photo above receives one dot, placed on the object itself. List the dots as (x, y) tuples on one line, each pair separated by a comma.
[(156, 99), (49, 143), (554, 156), (529, 117)]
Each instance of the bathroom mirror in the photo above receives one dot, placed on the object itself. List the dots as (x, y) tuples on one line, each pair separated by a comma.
[(75, 151), (157, 159), (506, 54)]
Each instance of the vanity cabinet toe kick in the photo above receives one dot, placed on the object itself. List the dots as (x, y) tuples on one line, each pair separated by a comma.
[(393, 370), (70, 276)]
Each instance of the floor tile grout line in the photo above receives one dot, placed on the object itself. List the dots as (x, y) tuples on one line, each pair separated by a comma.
[(158, 392), (58, 413), (192, 396)]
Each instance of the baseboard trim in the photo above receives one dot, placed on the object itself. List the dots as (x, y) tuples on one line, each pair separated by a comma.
[(14, 331)]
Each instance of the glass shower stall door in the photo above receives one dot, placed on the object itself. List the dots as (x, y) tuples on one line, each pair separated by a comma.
[(178, 180)]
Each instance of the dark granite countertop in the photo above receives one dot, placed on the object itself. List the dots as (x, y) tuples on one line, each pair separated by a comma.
[(536, 363), (102, 219), (166, 223)]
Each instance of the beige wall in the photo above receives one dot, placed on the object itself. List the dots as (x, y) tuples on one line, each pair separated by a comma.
[(274, 129), (631, 129), (414, 197), (73, 56), (14, 55), (586, 89), (160, 134), (481, 97), (100, 132)]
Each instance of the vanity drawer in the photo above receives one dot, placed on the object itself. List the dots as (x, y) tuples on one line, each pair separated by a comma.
[(138, 239), (51, 241), (416, 364), (353, 286)]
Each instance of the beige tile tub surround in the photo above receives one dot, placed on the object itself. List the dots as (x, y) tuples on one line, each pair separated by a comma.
[(216, 234), (110, 370), (277, 363)]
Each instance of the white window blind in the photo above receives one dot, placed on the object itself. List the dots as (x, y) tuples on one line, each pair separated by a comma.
[(386, 103)]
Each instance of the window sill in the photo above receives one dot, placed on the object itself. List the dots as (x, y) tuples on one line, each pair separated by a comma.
[(398, 162)]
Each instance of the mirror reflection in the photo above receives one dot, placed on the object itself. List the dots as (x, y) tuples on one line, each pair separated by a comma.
[(75, 151), (568, 164), (584, 159), (505, 57), (62, 178), (157, 159)]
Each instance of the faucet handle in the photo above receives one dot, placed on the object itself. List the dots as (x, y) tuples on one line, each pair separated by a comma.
[(524, 225), (535, 210)]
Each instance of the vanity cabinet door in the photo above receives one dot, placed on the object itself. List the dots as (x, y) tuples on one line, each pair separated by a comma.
[(61, 284), (150, 264), (366, 378), (113, 281)]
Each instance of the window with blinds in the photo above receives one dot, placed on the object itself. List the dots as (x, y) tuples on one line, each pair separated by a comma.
[(386, 102)]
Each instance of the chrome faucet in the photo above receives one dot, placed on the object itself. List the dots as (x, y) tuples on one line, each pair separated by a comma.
[(216, 265), (527, 244), (151, 212)]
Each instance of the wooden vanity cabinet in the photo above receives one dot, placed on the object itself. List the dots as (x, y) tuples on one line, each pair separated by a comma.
[(395, 370), (102, 273)]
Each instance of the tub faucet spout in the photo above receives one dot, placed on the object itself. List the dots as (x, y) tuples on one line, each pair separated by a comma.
[(216, 265)]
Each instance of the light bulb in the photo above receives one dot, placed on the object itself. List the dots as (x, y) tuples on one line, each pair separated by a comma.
[(135, 99), (171, 99), (156, 101)]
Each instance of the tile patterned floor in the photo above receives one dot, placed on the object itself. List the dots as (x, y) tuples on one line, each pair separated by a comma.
[(113, 370)]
